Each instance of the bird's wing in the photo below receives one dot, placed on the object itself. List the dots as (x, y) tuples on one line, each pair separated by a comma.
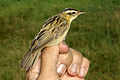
[(54, 27), (51, 30), (41, 40)]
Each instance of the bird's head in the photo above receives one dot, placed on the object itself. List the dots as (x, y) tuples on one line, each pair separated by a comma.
[(70, 14)]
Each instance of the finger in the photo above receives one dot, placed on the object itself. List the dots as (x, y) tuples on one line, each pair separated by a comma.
[(64, 62), (63, 47), (48, 62), (84, 68), (33, 73), (74, 68), (68, 77)]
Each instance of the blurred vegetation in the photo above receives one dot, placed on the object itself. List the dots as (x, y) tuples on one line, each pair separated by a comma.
[(96, 34)]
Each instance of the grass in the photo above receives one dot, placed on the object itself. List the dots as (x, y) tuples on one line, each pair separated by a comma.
[(96, 35)]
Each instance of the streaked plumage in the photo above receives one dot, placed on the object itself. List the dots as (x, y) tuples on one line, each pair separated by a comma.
[(53, 32)]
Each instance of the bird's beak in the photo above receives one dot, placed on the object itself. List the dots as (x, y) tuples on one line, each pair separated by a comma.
[(81, 12)]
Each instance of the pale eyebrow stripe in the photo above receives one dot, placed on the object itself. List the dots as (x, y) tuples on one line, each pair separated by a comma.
[(70, 11)]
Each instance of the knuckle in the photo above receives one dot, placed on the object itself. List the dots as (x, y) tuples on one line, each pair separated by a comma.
[(78, 56), (65, 59), (86, 60)]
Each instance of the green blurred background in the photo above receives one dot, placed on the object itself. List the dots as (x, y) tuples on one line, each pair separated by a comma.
[(96, 34)]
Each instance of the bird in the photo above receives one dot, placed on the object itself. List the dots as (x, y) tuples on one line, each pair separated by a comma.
[(53, 31)]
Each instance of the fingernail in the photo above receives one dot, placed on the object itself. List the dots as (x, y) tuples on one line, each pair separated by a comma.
[(61, 69), (82, 71), (74, 68)]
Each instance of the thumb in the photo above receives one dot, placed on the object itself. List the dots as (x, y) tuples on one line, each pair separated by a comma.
[(49, 60)]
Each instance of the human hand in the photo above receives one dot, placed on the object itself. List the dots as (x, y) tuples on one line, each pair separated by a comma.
[(64, 64)]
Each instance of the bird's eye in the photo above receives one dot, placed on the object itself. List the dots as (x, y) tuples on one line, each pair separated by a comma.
[(73, 12)]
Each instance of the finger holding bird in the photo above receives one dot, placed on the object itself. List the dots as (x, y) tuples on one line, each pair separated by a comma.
[(52, 33)]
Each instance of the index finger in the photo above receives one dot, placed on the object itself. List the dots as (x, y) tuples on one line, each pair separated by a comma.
[(63, 48)]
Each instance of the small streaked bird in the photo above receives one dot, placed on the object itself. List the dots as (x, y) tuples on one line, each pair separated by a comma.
[(52, 33)]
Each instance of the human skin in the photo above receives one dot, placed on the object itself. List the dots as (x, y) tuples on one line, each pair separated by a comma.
[(56, 63)]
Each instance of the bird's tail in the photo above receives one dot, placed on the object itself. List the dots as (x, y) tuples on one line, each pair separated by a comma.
[(29, 59)]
